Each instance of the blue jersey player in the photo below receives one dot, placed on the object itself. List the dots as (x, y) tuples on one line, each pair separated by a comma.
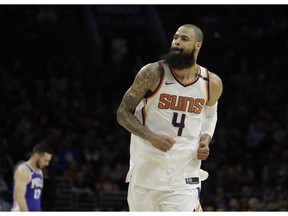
[(28, 180)]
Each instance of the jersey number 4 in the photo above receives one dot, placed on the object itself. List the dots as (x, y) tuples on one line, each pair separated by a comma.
[(180, 124)]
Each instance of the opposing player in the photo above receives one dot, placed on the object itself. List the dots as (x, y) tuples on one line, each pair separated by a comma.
[(28, 180), (171, 112)]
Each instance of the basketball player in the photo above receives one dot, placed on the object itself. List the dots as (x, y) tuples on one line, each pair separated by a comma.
[(171, 112), (28, 180)]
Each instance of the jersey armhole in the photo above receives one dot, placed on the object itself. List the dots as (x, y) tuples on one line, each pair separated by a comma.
[(30, 172), (150, 93), (207, 85)]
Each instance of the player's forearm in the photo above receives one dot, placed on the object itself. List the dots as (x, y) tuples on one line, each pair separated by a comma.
[(209, 119), (132, 124), (206, 138)]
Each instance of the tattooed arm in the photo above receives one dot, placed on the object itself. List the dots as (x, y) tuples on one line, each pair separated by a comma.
[(147, 79)]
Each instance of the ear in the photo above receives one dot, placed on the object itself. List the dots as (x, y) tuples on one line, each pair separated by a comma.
[(38, 156), (198, 45)]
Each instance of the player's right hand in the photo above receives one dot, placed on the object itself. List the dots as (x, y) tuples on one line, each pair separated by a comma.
[(162, 142)]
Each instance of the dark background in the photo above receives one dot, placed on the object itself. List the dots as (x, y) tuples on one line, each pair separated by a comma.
[(65, 68)]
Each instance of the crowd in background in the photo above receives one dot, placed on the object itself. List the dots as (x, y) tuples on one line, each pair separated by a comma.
[(57, 87)]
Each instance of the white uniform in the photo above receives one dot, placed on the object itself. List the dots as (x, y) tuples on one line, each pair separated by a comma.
[(174, 109)]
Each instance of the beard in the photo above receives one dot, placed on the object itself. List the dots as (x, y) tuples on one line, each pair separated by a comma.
[(179, 60), (38, 165)]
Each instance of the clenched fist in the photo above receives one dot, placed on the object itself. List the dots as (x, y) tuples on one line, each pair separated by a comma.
[(203, 151)]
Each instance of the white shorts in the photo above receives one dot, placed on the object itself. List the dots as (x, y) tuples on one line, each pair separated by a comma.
[(143, 199)]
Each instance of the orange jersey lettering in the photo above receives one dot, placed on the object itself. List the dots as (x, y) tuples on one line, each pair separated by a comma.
[(181, 103)]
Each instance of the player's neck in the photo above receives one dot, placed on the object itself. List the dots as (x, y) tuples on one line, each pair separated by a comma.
[(32, 163), (187, 75)]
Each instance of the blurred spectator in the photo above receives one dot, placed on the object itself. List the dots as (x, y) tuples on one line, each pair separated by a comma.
[(104, 182), (234, 204), (254, 204)]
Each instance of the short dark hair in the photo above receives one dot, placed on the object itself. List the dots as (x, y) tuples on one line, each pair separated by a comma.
[(42, 148)]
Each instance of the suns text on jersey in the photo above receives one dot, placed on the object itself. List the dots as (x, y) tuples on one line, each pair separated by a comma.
[(181, 103)]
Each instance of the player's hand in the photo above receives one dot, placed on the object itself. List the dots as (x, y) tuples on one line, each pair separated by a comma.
[(203, 151), (162, 142)]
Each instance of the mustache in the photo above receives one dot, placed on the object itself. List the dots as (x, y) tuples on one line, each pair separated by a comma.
[(176, 49), (178, 59)]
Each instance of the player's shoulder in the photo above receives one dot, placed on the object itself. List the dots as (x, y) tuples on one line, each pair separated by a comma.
[(22, 167), (152, 68), (22, 172), (214, 79), (216, 86), (150, 72)]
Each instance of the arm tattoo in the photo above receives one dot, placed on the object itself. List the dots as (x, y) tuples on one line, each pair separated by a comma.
[(147, 78)]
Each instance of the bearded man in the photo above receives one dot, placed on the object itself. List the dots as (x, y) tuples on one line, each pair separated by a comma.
[(171, 112)]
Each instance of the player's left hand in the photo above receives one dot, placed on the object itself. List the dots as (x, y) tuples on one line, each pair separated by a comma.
[(203, 151)]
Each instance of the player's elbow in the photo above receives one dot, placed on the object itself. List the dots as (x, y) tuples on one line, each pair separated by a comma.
[(120, 114)]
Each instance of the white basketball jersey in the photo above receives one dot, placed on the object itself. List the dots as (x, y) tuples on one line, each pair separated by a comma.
[(175, 110)]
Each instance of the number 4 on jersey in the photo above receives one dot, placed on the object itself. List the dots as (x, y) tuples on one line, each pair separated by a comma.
[(180, 124)]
